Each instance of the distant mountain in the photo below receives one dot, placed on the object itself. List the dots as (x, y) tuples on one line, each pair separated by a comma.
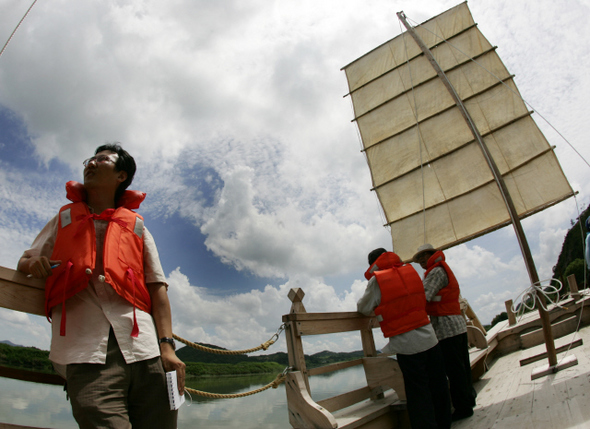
[(10, 343), (189, 354)]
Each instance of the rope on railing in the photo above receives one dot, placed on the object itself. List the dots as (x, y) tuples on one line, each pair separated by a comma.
[(274, 384), (263, 346)]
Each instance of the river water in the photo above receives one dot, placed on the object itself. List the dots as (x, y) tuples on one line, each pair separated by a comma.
[(41, 405)]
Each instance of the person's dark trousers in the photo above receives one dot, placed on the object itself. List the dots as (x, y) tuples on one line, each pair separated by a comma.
[(427, 391), (118, 395), (458, 369)]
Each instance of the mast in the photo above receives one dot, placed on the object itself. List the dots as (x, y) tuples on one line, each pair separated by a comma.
[(522, 241)]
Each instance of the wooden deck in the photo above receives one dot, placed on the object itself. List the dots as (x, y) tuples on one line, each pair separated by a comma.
[(508, 398)]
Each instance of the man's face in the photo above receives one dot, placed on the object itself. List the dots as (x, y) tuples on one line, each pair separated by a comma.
[(100, 172), (423, 259)]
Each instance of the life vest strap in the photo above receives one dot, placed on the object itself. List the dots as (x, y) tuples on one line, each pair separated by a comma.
[(62, 325)]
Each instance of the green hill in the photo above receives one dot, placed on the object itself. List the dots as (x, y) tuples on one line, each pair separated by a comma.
[(571, 257), (199, 363), (189, 354)]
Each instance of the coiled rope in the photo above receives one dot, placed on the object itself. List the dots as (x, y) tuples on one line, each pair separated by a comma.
[(264, 346), (529, 297)]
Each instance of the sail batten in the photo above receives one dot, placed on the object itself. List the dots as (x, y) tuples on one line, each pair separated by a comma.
[(501, 82), (433, 180), (491, 180)]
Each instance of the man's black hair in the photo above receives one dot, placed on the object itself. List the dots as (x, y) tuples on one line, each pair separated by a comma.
[(125, 162), (375, 254)]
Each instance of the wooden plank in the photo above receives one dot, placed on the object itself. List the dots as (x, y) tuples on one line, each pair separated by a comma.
[(548, 369), (334, 367), (368, 342), (385, 372), (25, 375), (9, 426), (303, 411), (476, 337), (559, 329), (297, 317), (543, 355), (372, 415), (295, 352), (20, 293), (344, 400), (330, 326)]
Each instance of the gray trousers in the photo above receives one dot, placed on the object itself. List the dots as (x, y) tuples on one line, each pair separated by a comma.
[(119, 395)]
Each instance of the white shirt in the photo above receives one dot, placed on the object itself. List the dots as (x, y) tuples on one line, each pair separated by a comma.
[(91, 312)]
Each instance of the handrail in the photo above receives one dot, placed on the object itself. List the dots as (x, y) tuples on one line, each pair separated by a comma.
[(21, 293)]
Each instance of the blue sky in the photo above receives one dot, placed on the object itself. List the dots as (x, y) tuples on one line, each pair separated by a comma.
[(255, 182)]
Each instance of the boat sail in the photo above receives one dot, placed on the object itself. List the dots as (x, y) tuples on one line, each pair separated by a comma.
[(452, 148), (430, 175)]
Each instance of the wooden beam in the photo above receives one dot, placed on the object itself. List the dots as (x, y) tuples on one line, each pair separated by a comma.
[(26, 375), (20, 293)]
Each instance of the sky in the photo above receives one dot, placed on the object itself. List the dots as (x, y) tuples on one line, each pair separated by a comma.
[(236, 114)]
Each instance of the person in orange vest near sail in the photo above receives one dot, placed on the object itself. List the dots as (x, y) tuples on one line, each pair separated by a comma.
[(106, 295), (396, 296), (443, 293)]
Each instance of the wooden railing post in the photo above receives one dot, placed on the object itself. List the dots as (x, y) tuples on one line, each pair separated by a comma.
[(470, 315), (571, 281), (511, 315), (294, 343)]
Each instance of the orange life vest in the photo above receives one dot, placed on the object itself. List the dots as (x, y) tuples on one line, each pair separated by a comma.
[(403, 303), (448, 304), (75, 246)]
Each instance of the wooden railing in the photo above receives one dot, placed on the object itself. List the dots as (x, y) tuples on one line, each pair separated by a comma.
[(21, 293), (379, 404)]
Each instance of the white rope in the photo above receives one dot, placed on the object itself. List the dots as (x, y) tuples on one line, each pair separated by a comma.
[(530, 297), (16, 28)]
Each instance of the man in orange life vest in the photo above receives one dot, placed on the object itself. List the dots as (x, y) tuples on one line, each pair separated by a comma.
[(395, 293), (106, 295), (442, 293)]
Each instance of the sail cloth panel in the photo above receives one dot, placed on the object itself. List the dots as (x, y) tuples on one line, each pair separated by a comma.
[(430, 175)]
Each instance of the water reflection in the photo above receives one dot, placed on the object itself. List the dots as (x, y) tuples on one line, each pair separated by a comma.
[(33, 404), (39, 405)]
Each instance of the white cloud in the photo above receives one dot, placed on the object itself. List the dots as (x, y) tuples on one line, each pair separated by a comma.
[(24, 329), (281, 241), (248, 319)]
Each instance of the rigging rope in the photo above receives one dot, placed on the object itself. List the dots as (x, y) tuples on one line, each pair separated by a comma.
[(263, 346), (16, 28)]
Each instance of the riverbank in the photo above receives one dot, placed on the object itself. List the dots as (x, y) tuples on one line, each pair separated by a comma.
[(33, 359)]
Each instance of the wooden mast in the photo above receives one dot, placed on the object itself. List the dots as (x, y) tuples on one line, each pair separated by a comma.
[(522, 241)]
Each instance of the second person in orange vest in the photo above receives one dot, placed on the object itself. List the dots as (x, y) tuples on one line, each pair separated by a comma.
[(442, 293)]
